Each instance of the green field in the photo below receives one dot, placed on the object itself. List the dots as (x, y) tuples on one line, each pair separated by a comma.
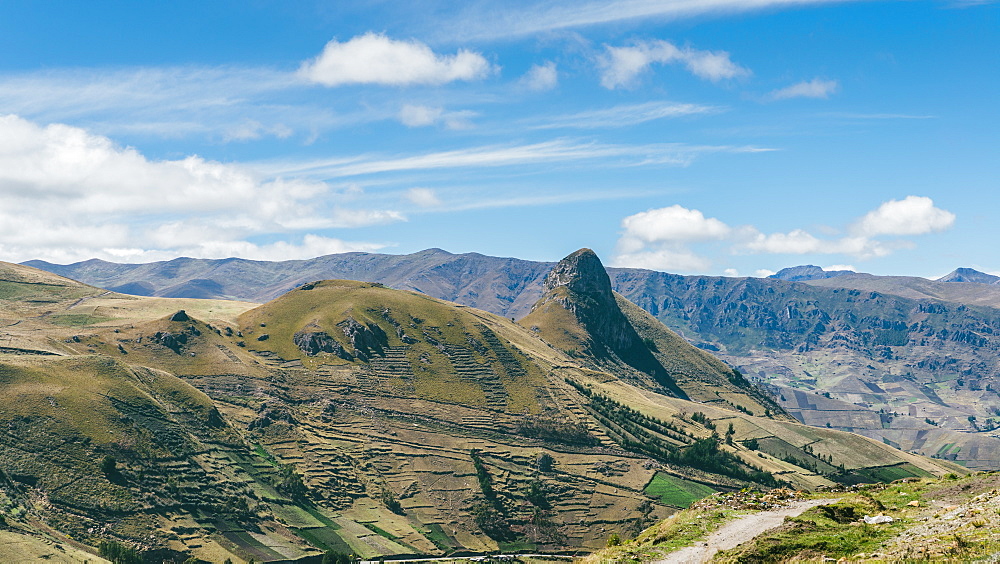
[(675, 491)]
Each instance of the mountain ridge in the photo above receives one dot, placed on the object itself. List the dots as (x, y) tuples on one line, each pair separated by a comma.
[(804, 336)]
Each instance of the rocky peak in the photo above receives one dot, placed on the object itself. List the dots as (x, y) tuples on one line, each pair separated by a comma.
[(581, 272), (580, 284)]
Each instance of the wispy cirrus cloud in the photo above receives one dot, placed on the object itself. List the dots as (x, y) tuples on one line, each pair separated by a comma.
[(879, 116), (559, 150), (222, 103), (515, 20), (626, 115), (237, 103)]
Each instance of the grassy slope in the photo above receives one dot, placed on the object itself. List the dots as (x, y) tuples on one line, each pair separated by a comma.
[(933, 519), (703, 377), (413, 442), (435, 327), (556, 325)]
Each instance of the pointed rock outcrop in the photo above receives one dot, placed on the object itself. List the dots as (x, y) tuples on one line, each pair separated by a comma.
[(579, 314)]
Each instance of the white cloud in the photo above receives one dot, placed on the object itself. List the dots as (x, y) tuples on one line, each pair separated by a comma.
[(249, 130), (659, 239), (913, 215), (836, 267), (731, 272), (419, 116), (625, 115), (621, 66), (376, 59), (796, 242), (541, 77), (422, 116), (815, 88), (673, 224), (665, 238), (763, 273), (673, 260), (801, 242), (423, 197), (68, 193)]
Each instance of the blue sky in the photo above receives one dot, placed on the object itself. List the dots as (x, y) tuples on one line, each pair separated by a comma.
[(692, 136)]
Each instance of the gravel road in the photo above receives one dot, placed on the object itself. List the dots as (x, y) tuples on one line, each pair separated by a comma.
[(738, 532)]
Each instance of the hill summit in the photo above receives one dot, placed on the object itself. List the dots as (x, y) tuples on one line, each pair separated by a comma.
[(969, 275), (808, 272), (579, 312)]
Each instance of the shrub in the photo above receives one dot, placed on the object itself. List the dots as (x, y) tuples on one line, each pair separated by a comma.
[(119, 553)]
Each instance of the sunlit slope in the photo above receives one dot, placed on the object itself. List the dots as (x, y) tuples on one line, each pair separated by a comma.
[(439, 350), (112, 447), (703, 377), (805, 457)]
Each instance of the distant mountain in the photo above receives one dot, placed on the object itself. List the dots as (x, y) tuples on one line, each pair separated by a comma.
[(507, 286), (808, 272), (969, 275)]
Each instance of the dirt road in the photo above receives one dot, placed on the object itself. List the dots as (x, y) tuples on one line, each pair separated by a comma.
[(738, 532)]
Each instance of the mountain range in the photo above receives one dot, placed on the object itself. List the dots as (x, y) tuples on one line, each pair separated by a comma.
[(906, 360), (345, 417)]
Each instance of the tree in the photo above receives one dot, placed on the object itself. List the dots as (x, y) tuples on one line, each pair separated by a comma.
[(290, 483), (334, 557), (109, 467), (119, 553)]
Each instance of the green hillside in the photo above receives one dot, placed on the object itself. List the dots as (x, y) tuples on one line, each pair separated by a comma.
[(349, 417)]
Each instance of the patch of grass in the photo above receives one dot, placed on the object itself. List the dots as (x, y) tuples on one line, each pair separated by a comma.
[(515, 546), (675, 491), (882, 474), (325, 538), (78, 319), (381, 532), (322, 518), (436, 535), (677, 531), (831, 530), (259, 451)]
